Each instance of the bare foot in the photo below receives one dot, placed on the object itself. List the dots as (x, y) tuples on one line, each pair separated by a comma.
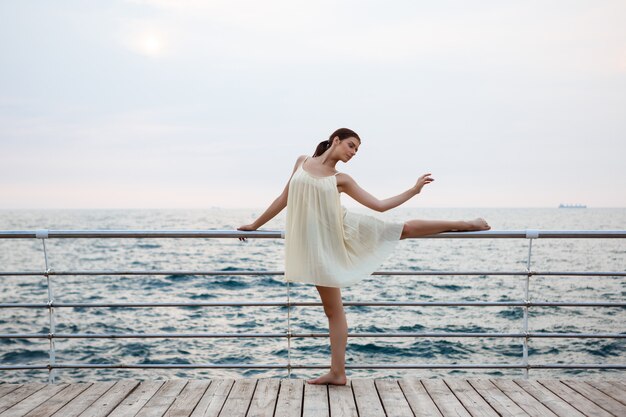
[(329, 379), (478, 224)]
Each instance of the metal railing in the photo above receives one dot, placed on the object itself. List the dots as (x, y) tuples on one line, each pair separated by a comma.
[(525, 304)]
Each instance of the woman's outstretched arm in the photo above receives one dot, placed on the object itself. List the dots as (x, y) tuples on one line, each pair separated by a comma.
[(349, 186), (277, 205)]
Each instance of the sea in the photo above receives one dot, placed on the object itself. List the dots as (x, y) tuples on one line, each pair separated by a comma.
[(228, 255)]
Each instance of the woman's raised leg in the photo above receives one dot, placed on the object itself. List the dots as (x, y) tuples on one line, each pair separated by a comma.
[(416, 228), (338, 328)]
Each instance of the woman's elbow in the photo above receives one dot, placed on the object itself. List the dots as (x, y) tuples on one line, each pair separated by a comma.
[(380, 207)]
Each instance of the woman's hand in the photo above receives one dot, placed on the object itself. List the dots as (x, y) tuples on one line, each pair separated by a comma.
[(247, 227), (422, 181)]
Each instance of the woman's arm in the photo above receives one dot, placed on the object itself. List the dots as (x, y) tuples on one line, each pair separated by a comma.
[(277, 205), (350, 187)]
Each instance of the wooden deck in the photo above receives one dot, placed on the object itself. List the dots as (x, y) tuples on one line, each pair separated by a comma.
[(292, 397)]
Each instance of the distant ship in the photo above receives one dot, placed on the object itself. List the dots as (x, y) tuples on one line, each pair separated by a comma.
[(572, 206)]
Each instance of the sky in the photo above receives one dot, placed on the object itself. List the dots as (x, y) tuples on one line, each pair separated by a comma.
[(199, 104)]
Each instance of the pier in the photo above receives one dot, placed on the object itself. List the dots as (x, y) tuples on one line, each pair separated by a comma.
[(273, 397)]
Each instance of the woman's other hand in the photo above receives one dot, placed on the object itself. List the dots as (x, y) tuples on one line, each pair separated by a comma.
[(422, 181), (247, 227)]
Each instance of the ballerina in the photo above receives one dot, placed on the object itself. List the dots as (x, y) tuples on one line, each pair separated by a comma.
[(332, 247)]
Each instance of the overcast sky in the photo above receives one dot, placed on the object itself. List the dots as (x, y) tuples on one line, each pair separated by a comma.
[(195, 104)]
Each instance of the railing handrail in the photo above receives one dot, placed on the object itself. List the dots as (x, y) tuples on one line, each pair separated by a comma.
[(273, 234)]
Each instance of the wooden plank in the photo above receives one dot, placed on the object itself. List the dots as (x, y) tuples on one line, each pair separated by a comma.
[(366, 397), (33, 400), (616, 391), (213, 399), (111, 399), (187, 400), (53, 404), (264, 399), (526, 401), (290, 396), (496, 398), (82, 401), (572, 397), (341, 401), (446, 401), (392, 398), (315, 401), (163, 399), (418, 398), (608, 403), (17, 395), (555, 403), (471, 400), (6, 388), (618, 382), (137, 399), (239, 399)]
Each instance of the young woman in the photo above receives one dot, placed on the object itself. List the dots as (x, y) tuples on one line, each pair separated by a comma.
[(330, 247)]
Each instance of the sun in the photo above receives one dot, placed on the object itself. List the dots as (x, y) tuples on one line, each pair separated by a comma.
[(150, 44)]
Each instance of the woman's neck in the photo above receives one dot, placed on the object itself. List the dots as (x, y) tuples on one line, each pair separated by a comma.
[(327, 160)]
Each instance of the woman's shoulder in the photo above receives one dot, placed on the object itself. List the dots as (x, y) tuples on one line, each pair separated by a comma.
[(343, 179), (301, 159)]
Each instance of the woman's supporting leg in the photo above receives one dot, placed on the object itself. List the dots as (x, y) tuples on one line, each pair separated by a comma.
[(416, 228), (338, 328)]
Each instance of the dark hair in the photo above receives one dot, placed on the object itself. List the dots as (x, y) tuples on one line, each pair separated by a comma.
[(343, 134)]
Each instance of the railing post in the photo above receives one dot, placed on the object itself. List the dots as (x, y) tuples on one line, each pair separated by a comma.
[(530, 235), (43, 235)]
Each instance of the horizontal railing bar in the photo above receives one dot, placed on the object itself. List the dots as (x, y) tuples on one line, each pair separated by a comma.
[(306, 335), (257, 273), (99, 234), (64, 234), (547, 335), (312, 366), (318, 304), (504, 273), (137, 335), (71, 273)]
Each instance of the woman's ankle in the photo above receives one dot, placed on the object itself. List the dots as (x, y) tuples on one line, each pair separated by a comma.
[(338, 372)]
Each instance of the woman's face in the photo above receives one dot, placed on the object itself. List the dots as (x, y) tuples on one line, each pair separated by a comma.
[(348, 148)]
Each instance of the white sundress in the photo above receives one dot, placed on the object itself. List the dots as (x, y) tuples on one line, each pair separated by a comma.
[(327, 245)]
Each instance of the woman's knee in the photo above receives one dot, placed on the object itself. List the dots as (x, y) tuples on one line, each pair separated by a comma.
[(333, 311), (406, 231), (331, 300)]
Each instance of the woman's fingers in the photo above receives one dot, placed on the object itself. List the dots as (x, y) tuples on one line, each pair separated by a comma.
[(243, 228)]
